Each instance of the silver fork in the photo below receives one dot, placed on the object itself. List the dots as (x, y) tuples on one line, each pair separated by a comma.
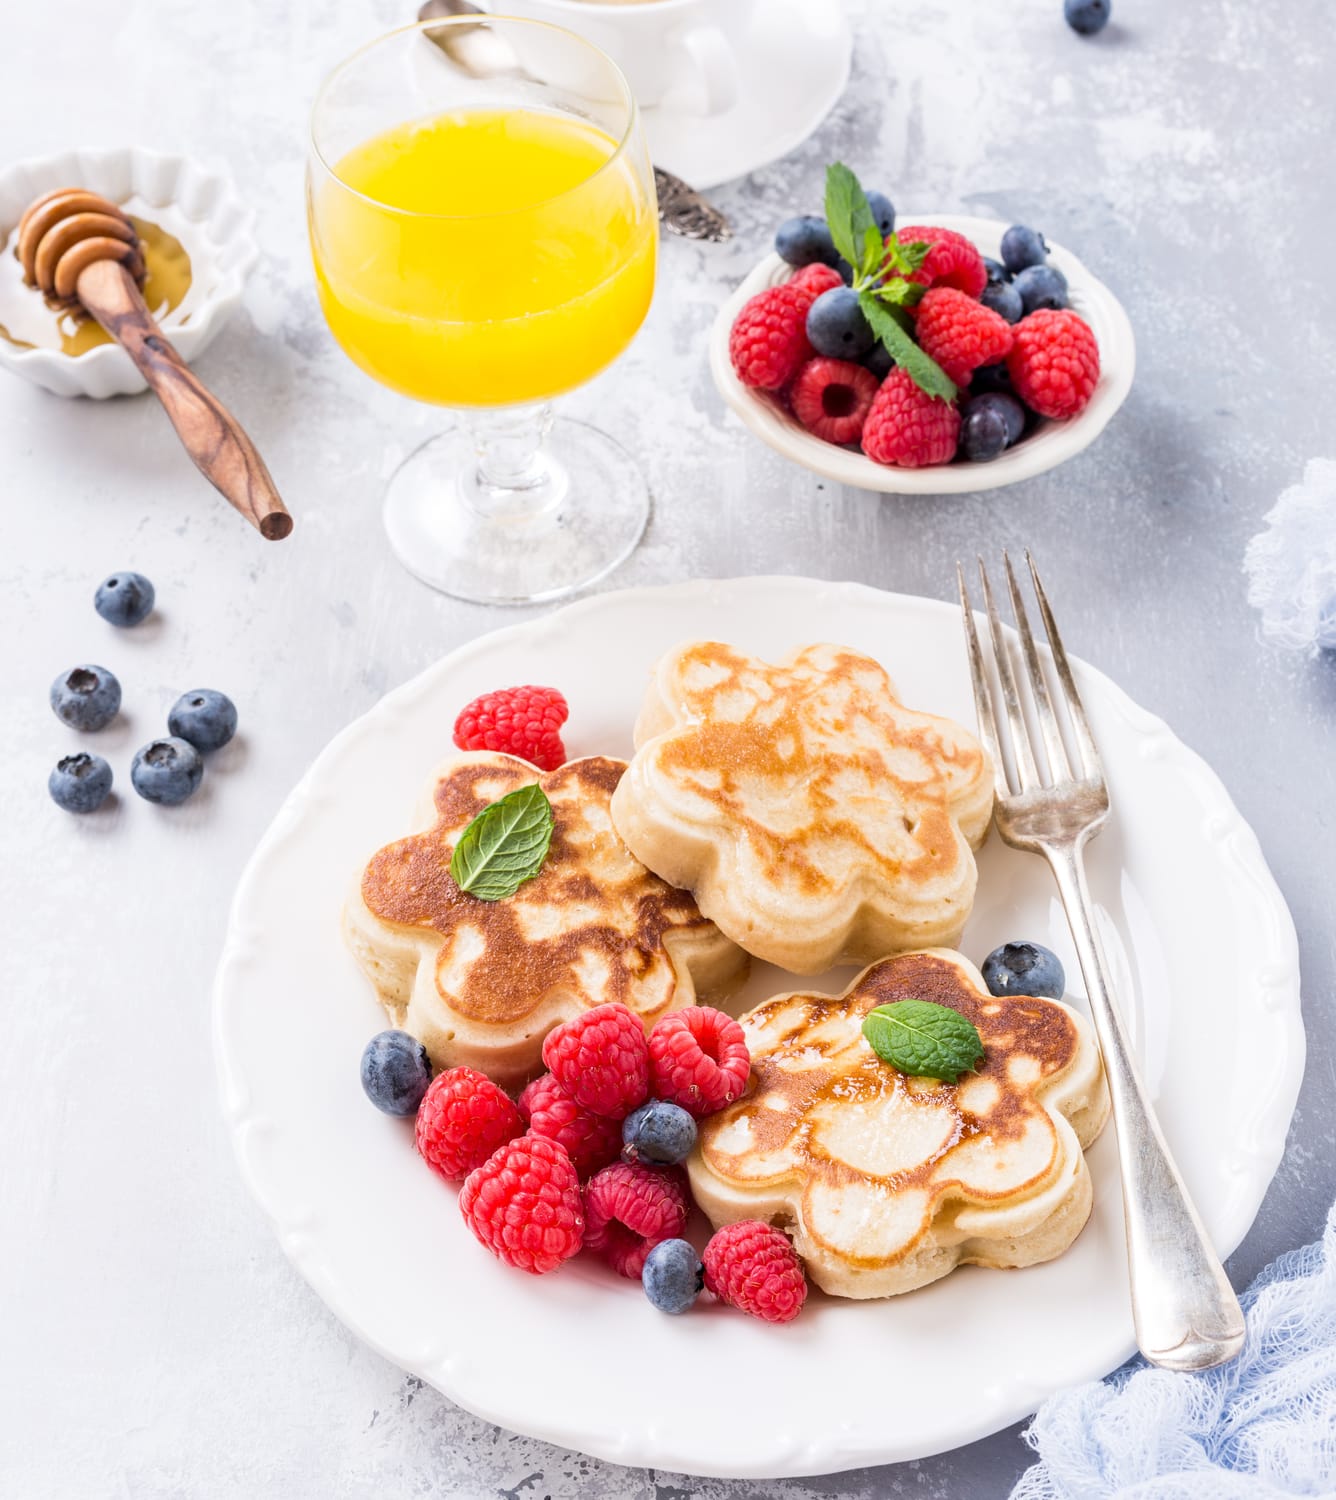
[(1052, 802)]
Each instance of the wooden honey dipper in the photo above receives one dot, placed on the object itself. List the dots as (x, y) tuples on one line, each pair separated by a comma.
[(81, 250)]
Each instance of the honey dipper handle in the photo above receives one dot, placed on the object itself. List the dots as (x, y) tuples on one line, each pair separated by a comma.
[(210, 433)]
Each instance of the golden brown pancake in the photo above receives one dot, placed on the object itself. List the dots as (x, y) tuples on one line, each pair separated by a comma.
[(482, 982), (888, 1182), (815, 818)]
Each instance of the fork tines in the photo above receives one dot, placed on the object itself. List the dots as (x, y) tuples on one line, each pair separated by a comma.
[(1027, 699)]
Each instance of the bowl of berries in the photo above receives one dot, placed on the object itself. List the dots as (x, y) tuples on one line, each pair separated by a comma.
[(945, 355)]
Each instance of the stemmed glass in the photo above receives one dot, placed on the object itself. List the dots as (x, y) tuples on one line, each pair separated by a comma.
[(484, 230)]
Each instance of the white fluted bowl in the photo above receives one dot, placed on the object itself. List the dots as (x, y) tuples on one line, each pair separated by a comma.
[(1050, 444), (222, 251)]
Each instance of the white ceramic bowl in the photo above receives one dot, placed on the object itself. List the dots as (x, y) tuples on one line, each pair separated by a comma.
[(222, 245), (1050, 444)]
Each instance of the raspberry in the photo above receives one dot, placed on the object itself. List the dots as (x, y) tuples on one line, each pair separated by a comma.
[(462, 1119), (909, 428), (769, 337), (753, 1266), (832, 398), (698, 1059), (1054, 363), (524, 1204), (630, 1209), (591, 1141), (952, 261), (523, 721), (601, 1059), (960, 333)]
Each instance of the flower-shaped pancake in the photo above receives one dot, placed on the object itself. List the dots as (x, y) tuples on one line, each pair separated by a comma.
[(887, 1182), (482, 982), (813, 816)]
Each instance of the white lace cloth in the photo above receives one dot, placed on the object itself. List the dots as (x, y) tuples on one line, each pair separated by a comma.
[(1262, 1427), (1291, 566)]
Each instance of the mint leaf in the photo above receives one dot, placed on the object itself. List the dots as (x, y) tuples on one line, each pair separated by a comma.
[(505, 845), (924, 1039), (925, 372), (897, 292), (849, 219)]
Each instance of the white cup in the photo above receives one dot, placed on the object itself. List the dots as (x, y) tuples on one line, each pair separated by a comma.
[(682, 54)]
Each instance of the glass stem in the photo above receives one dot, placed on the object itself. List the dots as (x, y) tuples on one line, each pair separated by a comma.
[(513, 477)]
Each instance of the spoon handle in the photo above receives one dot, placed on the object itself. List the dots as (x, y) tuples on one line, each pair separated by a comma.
[(210, 433)]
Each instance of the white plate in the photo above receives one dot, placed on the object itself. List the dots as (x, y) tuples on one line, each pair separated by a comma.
[(793, 68), (1051, 444), (1203, 951)]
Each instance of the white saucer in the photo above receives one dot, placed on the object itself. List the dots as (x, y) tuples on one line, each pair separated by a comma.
[(1204, 957), (794, 67)]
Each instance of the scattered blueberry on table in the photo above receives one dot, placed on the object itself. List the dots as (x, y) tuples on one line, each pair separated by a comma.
[(124, 599), (673, 1275), (86, 697), (659, 1133), (166, 771), (396, 1072), (1024, 969), (80, 783), (205, 718), (1087, 16)]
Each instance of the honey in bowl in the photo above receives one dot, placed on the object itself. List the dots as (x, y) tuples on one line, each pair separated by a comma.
[(28, 322)]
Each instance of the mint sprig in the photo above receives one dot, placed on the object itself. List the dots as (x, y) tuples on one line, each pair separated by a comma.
[(505, 845), (924, 1039), (882, 269)]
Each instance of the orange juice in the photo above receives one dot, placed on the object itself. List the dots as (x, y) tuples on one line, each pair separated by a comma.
[(484, 257)]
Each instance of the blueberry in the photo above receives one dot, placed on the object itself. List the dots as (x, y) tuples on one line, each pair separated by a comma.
[(983, 435), (846, 271), (86, 697), (660, 1133), (1004, 300), (883, 212), (1024, 969), (1041, 286), (805, 241), (124, 599), (1023, 247), (836, 325), (673, 1275), (166, 771), (879, 361), (396, 1072), (990, 378), (1007, 407), (1326, 626), (205, 718), (1086, 16), (80, 783), (997, 272)]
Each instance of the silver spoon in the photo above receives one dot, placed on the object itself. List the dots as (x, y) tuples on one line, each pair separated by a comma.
[(484, 53)]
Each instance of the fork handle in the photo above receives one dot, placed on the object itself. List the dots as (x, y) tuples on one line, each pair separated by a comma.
[(1186, 1314)]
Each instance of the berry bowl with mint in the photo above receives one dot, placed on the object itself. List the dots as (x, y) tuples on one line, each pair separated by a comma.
[(920, 354)]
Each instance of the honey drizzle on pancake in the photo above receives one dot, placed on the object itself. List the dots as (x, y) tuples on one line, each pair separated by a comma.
[(409, 883), (853, 1073), (778, 743)]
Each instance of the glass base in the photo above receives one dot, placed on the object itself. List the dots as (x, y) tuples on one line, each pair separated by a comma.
[(578, 513)]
